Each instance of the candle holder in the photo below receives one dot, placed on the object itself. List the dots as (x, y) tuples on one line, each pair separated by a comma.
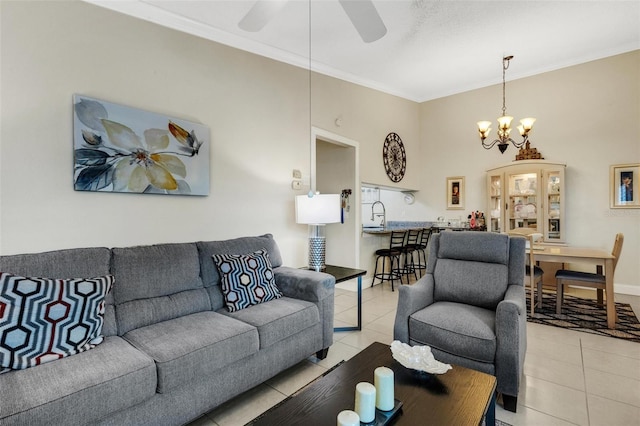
[(384, 418)]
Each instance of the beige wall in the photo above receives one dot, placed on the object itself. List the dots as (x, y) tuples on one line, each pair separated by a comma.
[(588, 117), (258, 113), (257, 110)]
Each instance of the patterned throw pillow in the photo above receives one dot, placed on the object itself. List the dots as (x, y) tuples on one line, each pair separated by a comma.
[(246, 279), (43, 319)]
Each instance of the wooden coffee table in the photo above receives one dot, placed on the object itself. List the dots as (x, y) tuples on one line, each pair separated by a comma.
[(459, 397)]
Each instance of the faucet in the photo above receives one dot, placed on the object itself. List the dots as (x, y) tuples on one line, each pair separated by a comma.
[(383, 214)]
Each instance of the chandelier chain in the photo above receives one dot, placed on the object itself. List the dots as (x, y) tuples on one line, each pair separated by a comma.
[(505, 65)]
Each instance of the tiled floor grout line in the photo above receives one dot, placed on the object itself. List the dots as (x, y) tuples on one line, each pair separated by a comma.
[(584, 380)]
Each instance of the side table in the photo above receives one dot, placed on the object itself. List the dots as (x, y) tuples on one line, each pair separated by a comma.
[(345, 274)]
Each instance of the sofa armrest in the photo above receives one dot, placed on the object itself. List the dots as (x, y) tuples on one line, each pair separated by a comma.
[(304, 284), (511, 339), (411, 298), (312, 286)]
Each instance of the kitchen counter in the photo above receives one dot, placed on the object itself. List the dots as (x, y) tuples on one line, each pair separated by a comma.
[(376, 238), (407, 226), (397, 226)]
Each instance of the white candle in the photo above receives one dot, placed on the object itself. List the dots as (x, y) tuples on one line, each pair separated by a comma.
[(366, 402), (348, 418), (383, 379)]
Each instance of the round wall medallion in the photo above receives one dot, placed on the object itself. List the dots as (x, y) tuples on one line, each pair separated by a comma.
[(394, 157)]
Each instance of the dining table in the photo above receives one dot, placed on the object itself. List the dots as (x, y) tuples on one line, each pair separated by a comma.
[(584, 255)]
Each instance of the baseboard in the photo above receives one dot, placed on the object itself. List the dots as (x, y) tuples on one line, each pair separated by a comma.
[(631, 290)]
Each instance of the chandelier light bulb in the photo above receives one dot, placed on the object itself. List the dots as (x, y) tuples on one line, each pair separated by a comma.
[(505, 122), (484, 127), (527, 123)]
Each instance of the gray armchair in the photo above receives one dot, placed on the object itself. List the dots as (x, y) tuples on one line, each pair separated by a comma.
[(470, 306)]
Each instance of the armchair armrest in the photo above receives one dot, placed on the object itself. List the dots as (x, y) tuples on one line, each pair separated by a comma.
[(514, 298), (411, 298), (304, 284), (511, 339)]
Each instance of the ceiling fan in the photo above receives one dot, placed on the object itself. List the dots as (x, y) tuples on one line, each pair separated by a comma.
[(362, 13)]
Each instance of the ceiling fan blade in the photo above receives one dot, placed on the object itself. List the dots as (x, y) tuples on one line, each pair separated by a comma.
[(260, 14), (365, 19)]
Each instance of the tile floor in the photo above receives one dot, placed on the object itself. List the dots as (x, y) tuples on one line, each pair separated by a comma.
[(571, 378)]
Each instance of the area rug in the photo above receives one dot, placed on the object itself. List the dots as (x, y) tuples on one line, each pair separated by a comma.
[(581, 314)]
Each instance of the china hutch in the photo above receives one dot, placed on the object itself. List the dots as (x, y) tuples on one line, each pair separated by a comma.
[(529, 194)]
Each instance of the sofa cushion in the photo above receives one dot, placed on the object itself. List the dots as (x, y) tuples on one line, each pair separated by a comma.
[(246, 279), (278, 319), (467, 331), (209, 271), (474, 283), (43, 319), (81, 389), (156, 283), (71, 263), (193, 346)]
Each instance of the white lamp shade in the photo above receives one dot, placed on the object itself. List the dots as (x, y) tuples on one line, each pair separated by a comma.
[(318, 210)]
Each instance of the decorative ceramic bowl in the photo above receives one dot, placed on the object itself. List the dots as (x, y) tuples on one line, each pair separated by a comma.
[(417, 358)]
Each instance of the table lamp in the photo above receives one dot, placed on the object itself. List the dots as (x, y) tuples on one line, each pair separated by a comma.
[(317, 211)]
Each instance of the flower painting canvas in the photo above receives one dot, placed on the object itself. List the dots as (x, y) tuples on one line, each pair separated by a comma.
[(123, 149)]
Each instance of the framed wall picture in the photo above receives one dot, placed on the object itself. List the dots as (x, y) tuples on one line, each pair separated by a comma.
[(455, 193), (123, 149), (624, 186)]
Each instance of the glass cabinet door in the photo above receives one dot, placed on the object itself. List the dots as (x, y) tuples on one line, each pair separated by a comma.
[(528, 194), (495, 203), (554, 217), (523, 201)]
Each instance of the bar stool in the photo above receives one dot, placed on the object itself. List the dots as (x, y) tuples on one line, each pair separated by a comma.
[(422, 250), (406, 255), (393, 253)]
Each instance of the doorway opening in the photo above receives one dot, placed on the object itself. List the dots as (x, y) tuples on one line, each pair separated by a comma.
[(334, 168)]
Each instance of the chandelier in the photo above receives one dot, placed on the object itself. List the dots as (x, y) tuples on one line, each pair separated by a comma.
[(504, 122)]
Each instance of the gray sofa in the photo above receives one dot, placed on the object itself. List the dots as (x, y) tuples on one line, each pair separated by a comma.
[(172, 351), (470, 306)]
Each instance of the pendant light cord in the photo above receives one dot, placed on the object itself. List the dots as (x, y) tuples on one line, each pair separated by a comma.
[(310, 136)]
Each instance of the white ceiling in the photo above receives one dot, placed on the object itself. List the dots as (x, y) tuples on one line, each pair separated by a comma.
[(432, 48)]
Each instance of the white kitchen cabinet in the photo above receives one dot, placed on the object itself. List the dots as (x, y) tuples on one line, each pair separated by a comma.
[(527, 194)]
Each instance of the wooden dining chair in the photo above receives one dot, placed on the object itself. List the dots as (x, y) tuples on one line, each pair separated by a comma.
[(587, 279), (535, 278)]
